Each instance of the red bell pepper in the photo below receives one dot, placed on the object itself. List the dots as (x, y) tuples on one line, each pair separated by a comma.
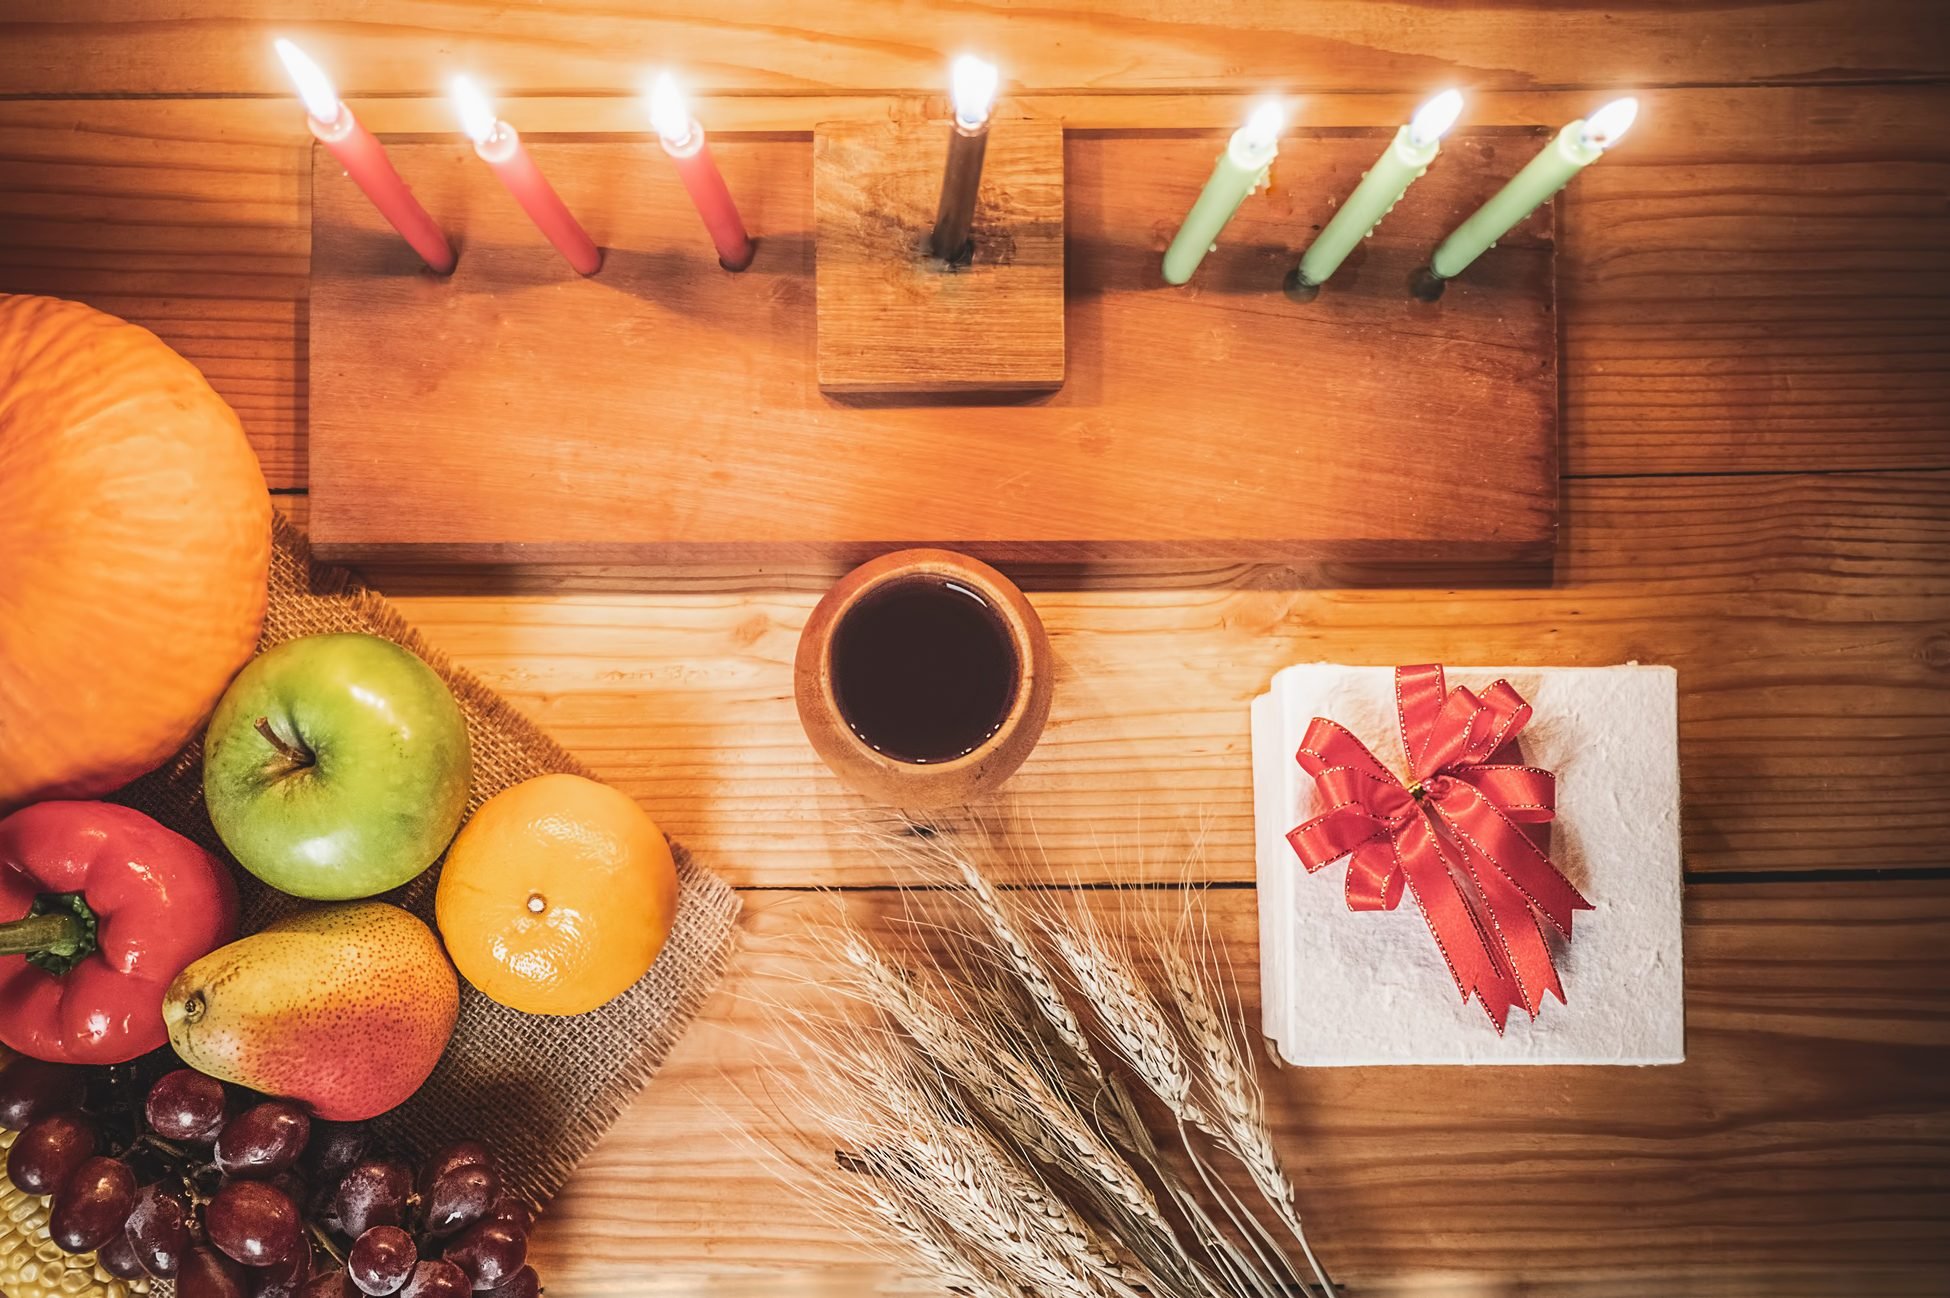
[(100, 908)]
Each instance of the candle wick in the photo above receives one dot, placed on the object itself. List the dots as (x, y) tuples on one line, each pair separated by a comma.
[(692, 140)]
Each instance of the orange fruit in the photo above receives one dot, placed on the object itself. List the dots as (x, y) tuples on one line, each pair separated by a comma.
[(557, 896)]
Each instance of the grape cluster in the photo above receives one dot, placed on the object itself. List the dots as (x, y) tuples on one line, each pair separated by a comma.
[(235, 1196)]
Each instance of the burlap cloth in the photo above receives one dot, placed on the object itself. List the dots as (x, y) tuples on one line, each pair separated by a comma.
[(541, 1091)]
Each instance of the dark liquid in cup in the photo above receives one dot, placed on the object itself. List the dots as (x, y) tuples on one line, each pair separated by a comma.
[(924, 669)]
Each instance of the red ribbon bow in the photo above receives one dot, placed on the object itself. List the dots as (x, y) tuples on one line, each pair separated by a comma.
[(1452, 835)]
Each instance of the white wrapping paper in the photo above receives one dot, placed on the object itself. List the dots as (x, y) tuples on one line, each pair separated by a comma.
[(1345, 988)]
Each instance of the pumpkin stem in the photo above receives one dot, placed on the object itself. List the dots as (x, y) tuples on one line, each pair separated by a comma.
[(296, 754)]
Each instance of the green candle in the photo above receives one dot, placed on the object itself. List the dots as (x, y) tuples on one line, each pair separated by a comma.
[(1241, 169), (1407, 157), (1576, 147)]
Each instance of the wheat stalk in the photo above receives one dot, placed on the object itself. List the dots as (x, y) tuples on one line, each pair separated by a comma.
[(1033, 1116), (970, 1178), (1236, 1097), (1036, 978), (1130, 1018), (992, 1130), (1149, 1043), (949, 1254)]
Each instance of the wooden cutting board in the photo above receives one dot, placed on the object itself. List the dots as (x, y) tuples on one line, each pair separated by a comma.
[(666, 409)]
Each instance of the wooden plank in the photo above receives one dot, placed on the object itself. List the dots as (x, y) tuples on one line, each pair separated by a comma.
[(1807, 617), (840, 1281), (1742, 286), (109, 47), (186, 221), (1808, 1131), (1695, 339), (1212, 420)]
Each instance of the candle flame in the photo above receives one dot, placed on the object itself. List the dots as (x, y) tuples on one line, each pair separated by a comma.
[(314, 87), (670, 116), (1604, 128), (477, 117), (1433, 119), (973, 83), (1262, 129)]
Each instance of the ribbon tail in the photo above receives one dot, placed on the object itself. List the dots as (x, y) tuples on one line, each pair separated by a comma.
[(1486, 832), (1451, 914), (1525, 949)]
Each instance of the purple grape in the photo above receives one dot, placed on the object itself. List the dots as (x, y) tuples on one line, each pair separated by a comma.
[(513, 1211), (185, 1105), (458, 1197), (32, 1089), (489, 1252), (93, 1207), (292, 1182), (522, 1284), (283, 1279), (118, 1258), (437, 1280), (159, 1229), (329, 1284), (207, 1273), (334, 1148), (461, 1153), (263, 1140), (381, 1261), (253, 1223), (50, 1151), (374, 1193)]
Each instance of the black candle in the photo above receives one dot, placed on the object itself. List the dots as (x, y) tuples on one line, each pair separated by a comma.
[(974, 91)]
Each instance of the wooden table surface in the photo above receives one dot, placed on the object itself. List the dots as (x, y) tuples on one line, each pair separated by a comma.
[(1756, 489)]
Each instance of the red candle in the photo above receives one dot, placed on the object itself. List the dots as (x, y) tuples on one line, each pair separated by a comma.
[(359, 153), (683, 140), (498, 146)]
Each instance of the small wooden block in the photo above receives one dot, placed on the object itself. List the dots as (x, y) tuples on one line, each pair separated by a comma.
[(892, 317)]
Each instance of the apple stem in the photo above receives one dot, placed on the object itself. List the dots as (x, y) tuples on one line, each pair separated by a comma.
[(296, 754)]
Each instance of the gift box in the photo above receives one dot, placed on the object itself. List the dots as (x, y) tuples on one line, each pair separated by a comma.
[(1352, 971)]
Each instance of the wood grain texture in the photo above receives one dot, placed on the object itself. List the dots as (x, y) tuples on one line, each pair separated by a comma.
[(895, 318), (1215, 420), (1694, 338), (1806, 1131), (1758, 283), (847, 1281), (1808, 617), (110, 47)]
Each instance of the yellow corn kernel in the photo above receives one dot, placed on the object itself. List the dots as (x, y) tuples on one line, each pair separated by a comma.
[(32, 1265)]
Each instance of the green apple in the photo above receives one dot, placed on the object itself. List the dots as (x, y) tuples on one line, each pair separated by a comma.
[(336, 766)]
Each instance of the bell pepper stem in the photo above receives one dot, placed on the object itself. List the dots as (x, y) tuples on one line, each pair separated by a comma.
[(57, 932)]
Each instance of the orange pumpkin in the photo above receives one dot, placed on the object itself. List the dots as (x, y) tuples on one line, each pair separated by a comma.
[(135, 539)]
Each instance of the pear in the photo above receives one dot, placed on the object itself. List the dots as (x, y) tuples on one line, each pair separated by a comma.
[(343, 1008)]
